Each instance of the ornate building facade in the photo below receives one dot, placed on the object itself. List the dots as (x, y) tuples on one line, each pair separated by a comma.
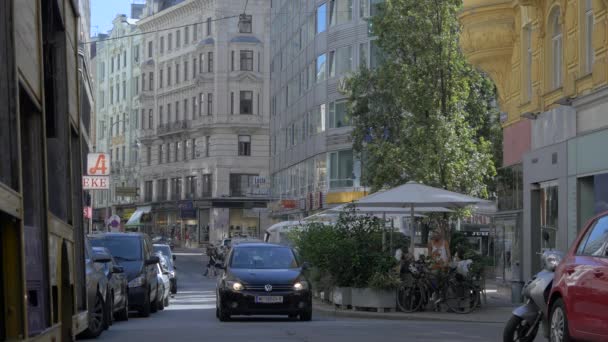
[(203, 118), (549, 61)]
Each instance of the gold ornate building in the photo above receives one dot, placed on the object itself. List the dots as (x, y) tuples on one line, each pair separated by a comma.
[(549, 61)]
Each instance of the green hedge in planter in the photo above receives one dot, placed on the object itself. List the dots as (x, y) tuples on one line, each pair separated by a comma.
[(350, 252)]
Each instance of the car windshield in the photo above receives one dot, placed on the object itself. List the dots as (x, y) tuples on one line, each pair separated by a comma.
[(122, 248), (263, 258)]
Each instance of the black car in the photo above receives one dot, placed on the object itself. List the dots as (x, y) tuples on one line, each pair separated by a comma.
[(133, 251), (166, 250), (263, 279), (118, 298)]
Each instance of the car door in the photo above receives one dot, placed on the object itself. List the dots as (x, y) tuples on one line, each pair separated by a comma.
[(587, 279), (150, 269)]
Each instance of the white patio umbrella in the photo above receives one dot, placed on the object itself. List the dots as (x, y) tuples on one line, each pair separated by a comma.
[(414, 195)]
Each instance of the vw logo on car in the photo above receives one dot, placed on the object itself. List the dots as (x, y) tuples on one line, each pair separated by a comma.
[(268, 288)]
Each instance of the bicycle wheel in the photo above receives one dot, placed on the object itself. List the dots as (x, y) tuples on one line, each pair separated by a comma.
[(409, 298), (461, 297)]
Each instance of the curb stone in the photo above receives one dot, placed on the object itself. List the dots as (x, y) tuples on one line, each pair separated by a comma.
[(484, 315)]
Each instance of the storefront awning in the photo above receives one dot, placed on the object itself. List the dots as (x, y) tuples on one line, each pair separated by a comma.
[(135, 219)]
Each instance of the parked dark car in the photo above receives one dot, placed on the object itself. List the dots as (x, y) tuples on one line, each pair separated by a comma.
[(133, 251), (579, 298), (263, 279), (164, 284), (166, 250), (97, 294), (118, 302)]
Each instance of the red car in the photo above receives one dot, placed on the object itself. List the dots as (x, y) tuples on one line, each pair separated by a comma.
[(579, 298)]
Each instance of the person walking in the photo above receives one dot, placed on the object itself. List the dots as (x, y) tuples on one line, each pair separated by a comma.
[(212, 261)]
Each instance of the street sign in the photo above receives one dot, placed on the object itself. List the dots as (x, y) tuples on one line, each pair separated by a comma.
[(88, 212), (95, 182), (98, 164), (127, 191), (114, 223)]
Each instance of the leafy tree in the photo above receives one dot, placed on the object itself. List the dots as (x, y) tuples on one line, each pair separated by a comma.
[(424, 114)]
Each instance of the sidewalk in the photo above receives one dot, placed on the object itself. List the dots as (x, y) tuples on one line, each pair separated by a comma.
[(485, 314), (496, 308)]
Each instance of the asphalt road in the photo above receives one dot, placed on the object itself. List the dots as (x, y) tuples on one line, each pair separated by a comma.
[(191, 317)]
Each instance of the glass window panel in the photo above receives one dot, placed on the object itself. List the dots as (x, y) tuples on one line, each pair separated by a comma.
[(321, 18), (321, 67)]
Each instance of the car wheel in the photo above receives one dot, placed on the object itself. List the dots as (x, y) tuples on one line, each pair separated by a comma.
[(559, 323), (223, 315), (174, 287), (306, 315), (96, 318), (217, 312), (147, 306), (160, 304), (123, 314), (154, 305), (110, 310), (167, 301)]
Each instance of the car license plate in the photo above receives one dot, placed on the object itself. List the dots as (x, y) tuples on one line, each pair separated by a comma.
[(269, 299)]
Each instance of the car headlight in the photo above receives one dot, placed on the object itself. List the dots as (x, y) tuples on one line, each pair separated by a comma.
[(551, 259), (235, 285), (137, 282), (301, 285)]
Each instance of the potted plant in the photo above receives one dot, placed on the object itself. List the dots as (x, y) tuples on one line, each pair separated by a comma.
[(381, 292)]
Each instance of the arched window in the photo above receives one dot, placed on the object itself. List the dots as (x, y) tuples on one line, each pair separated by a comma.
[(556, 48), (588, 38)]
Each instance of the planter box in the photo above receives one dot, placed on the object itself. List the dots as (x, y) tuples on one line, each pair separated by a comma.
[(342, 296), (326, 296), (372, 298)]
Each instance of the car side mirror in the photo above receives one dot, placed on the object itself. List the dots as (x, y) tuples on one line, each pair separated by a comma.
[(305, 265), (153, 260), (174, 257), (118, 269)]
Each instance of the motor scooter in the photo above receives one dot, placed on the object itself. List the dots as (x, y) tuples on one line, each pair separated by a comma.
[(526, 319)]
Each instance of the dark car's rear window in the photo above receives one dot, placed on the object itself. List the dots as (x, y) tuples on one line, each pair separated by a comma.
[(122, 248), (262, 257)]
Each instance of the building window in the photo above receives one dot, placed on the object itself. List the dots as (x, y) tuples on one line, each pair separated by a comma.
[(186, 35), (340, 61), (589, 22), (176, 74), (548, 214), (162, 44), (194, 113), (232, 60), (194, 68), (124, 59), (207, 185), (162, 190), (246, 102), (177, 116), (148, 191), (143, 82), (176, 148), (200, 63), (341, 169), (245, 24), (169, 113), (160, 78), (195, 32), (150, 119), (556, 48), (151, 81), (240, 184), (210, 104), (190, 187), (193, 143), (122, 155), (112, 64), (149, 49), (207, 145), (317, 120), (231, 102), (200, 104), (340, 11), (528, 62), (337, 114), (124, 90), (136, 53), (170, 41), (178, 41), (208, 26), (246, 60), (321, 67), (210, 61), (161, 119), (136, 85), (185, 145), (369, 7), (185, 70), (321, 18), (143, 116), (101, 99), (149, 155), (117, 91), (186, 109), (244, 145)]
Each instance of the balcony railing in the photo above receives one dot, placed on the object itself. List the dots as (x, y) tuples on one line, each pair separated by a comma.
[(173, 127)]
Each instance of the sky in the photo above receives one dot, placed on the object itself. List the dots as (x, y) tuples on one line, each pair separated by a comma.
[(104, 11)]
